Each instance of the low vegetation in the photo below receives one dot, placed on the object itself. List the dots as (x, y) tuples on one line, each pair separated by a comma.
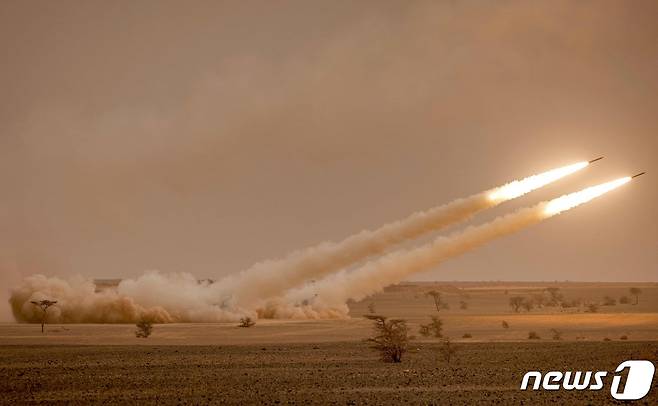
[(391, 337), (505, 324), (532, 335), (635, 292), (557, 334), (433, 328), (144, 328), (246, 322), (447, 350), (592, 308), (609, 301)]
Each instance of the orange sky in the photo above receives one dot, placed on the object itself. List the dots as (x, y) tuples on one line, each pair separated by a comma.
[(205, 136)]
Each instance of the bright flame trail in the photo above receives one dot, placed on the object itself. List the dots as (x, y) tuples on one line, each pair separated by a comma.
[(332, 292), (271, 278)]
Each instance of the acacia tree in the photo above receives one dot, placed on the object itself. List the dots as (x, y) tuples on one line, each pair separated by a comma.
[(43, 305), (636, 292), (438, 301), (391, 337)]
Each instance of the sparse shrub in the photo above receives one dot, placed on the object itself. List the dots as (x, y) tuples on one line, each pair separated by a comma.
[(624, 337), (624, 300), (571, 303), (246, 322), (609, 301), (433, 328), (592, 308), (391, 337), (516, 302), (533, 335), (505, 324), (607, 339), (371, 308), (555, 296), (635, 292), (527, 305), (538, 301), (463, 305), (144, 328), (467, 335), (557, 335), (447, 350)]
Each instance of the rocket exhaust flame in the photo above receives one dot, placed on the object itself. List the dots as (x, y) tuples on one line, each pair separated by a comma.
[(333, 291), (181, 298), (521, 187), (271, 278), (569, 201)]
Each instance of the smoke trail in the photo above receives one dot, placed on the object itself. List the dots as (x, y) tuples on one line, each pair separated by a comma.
[(332, 292), (162, 298), (182, 298), (271, 278)]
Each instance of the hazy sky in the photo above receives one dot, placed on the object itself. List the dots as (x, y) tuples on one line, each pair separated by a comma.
[(204, 136)]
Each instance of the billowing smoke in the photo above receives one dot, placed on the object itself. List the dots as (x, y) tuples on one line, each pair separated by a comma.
[(271, 278), (161, 298), (330, 294), (260, 291)]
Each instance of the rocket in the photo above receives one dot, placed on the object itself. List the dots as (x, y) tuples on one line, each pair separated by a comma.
[(635, 176), (595, 159)]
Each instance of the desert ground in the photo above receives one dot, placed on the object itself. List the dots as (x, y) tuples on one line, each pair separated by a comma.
[(328, 361)]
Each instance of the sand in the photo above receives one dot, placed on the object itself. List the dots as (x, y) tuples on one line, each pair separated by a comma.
[(327, 361)]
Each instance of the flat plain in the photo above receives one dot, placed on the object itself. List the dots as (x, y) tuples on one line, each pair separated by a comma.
[(327, 361)]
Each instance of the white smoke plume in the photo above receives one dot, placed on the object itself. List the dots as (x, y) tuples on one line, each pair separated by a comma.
[(161, 298), (329, 295), (271, 278), (182, 298)]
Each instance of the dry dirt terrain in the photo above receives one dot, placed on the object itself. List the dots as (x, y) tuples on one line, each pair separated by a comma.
[(332, 373), (327, 361)]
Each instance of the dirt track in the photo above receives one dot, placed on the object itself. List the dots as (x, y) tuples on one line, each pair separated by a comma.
[(338, 373)]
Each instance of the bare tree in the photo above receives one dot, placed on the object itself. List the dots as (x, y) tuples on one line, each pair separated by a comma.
[(246, 322), (44, 305), (438, 300), (144, 328), (434, 328), (391, 337), (636, 292), (447, 350)]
